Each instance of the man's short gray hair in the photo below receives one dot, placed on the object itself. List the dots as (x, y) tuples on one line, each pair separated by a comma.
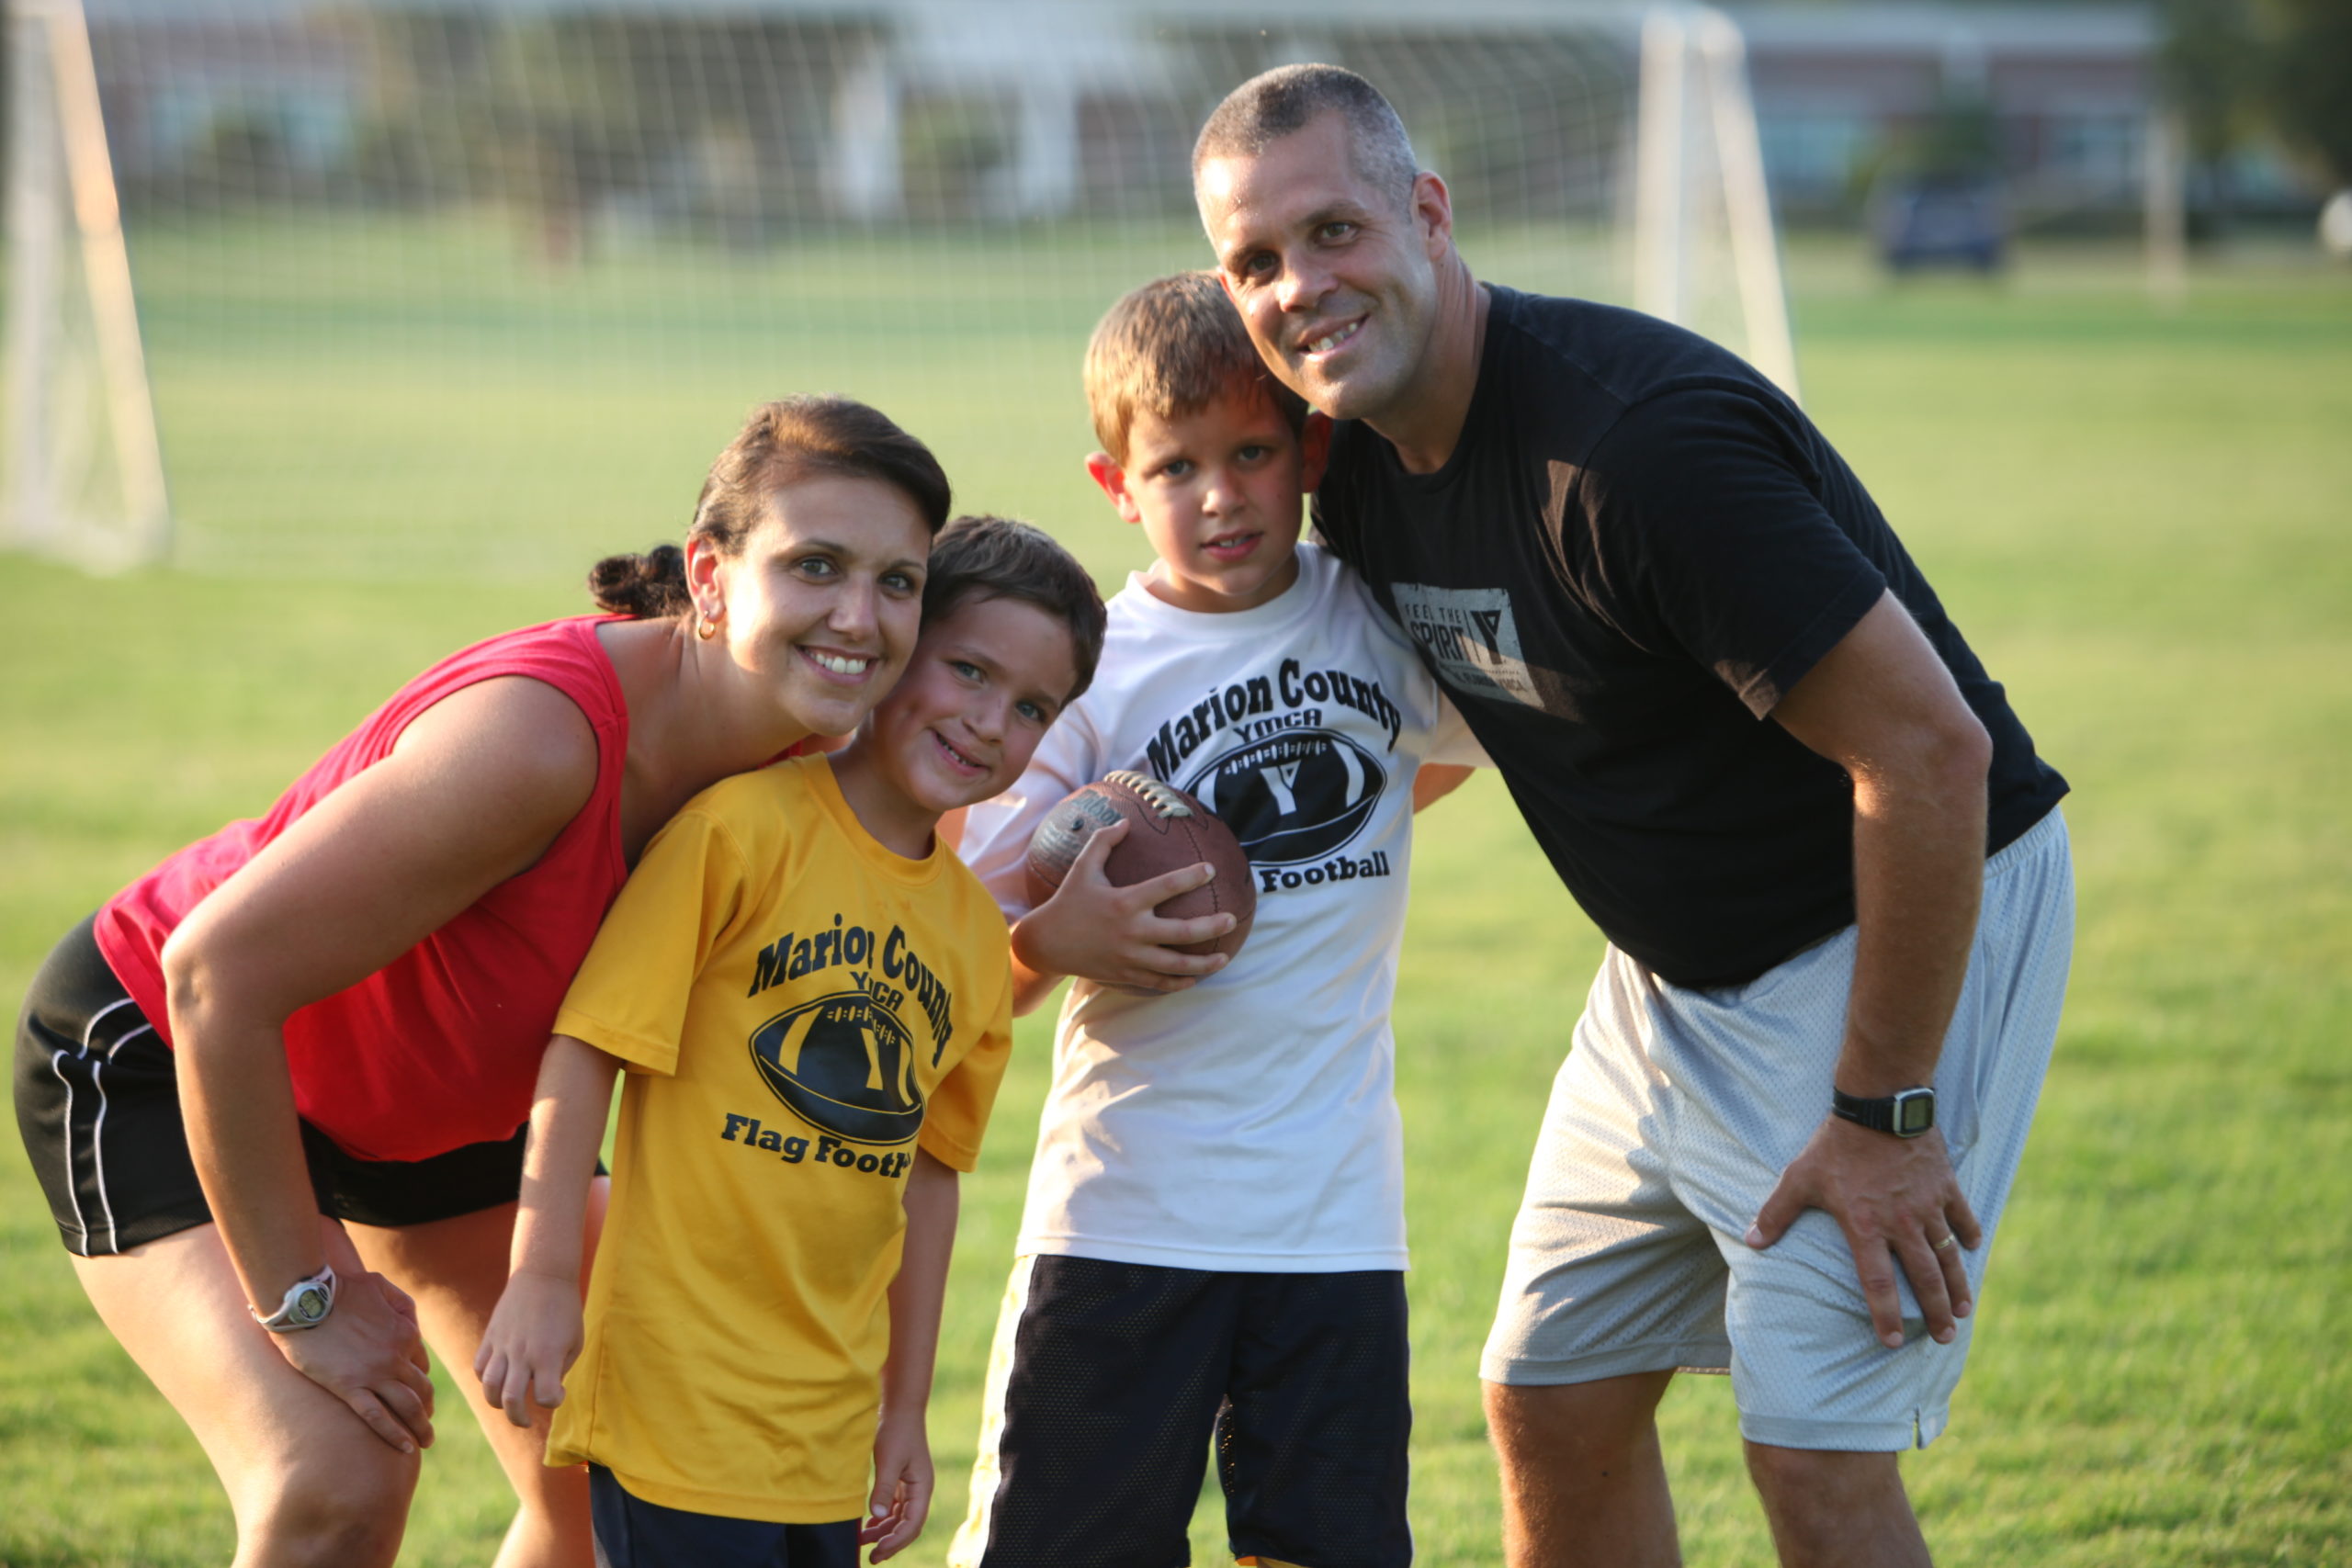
[(1272, 106)]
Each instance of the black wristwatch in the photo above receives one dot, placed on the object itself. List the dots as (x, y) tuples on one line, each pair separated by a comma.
[(1906, 1113)]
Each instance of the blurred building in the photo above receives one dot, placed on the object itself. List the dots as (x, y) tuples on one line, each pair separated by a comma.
[(2066, 92), (749, 116)]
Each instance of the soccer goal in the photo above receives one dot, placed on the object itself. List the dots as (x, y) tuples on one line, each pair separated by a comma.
[(387, 287), (85, 475)]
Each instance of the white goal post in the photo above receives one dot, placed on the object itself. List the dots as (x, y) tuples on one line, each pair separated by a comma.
[(1696, 111), (85, 467), (437, 282)]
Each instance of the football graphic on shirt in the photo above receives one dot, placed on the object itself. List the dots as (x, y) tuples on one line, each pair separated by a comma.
[(844, 1065), (1295, 796)]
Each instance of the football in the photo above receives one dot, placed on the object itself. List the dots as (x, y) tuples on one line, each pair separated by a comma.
[(1166, 830)]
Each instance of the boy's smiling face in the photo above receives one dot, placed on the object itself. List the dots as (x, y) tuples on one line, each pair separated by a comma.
[(985, 682), (1219, 492)]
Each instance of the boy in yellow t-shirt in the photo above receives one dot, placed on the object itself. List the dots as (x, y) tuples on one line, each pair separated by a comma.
[(812, 996)]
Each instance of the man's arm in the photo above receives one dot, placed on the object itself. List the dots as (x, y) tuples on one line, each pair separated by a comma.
[(1882, 705), (1432, 782)]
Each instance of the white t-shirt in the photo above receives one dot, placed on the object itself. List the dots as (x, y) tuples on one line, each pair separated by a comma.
[(1248, 1123)]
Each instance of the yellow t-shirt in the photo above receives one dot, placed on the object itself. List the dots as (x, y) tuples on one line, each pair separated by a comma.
[(801, 1010)]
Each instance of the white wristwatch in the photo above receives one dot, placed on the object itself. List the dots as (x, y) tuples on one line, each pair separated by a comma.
[(306, 1305)]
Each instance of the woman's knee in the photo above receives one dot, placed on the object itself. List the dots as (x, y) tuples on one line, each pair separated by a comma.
[(347, 1509)]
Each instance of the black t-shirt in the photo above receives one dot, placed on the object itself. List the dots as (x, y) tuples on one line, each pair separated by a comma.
[(1638, 546)]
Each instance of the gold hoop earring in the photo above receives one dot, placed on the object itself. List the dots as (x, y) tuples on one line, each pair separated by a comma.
[(706, 627)]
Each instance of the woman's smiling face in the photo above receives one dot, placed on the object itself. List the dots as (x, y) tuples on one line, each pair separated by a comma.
[(824, 602)]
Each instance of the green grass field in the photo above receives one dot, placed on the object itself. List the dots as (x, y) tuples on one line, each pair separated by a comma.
[(2138, 519)]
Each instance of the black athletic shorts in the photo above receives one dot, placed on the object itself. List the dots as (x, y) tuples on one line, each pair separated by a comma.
[(1121, 1373), (634, 1533), (98, 1104)]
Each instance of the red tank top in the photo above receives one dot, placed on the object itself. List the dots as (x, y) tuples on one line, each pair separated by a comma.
[(440, 1047)]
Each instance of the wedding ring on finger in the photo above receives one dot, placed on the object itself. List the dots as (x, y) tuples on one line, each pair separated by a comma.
[(1949, 1240)]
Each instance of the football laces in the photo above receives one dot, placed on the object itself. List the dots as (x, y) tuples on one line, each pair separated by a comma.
[(1163, 801)]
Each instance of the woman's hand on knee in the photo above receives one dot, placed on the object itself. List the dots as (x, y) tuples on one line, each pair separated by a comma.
[(369, 1354), (532, 1338)]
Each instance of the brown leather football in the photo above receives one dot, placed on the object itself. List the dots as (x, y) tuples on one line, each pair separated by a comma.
[(1167, 830)]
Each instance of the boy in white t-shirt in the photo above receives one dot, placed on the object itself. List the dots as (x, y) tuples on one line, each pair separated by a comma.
[(1214, 1234)]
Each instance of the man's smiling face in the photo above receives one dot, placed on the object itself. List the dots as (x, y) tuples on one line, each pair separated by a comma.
[(1336, 278)]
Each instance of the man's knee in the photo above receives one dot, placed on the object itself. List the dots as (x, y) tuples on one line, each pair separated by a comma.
[(1829, 1477), (1583, 1480), (1828, 1507), (1573, 1424)]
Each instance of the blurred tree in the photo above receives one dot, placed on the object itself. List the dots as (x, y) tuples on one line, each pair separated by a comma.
[(708, 124), (2207, 65), (1959, 139), (565, 122), (241, 158), (2283, 66), (2206, 68), (2308, 80)]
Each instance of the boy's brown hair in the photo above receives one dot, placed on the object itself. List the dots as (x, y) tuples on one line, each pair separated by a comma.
[(996, 558), (1169, 349)]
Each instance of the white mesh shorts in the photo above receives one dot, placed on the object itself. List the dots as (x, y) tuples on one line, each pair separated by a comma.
[(1670, 1122)]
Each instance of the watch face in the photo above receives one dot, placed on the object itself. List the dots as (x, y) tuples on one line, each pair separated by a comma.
[(310, 1305), (1914, 1114)]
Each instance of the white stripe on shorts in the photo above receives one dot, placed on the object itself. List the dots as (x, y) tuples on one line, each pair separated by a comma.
[(90, 1027), (98, 1124), (99, 1159), (72, 1188)]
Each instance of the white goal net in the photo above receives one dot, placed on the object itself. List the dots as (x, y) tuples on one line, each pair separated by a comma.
[(481, 285)]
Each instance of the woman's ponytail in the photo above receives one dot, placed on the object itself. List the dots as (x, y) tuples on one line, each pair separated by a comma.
[(646, 587)]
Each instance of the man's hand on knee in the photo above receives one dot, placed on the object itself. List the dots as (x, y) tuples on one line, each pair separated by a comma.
[(1899, 1203)]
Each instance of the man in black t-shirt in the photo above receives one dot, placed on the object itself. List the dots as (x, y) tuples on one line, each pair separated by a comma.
[(1763, 760)]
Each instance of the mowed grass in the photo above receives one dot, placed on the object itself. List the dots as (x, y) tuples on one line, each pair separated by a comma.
[(2138, 519)]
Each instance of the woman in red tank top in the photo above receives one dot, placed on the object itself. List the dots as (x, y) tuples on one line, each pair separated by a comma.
[(344, 1003)]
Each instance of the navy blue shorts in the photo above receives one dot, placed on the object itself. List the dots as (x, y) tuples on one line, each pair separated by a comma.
[(1121, 1375), (634, 1533), (99, 1106)]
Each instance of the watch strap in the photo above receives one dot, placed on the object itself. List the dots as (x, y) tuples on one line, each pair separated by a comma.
[(1905, 1114), (306, 1304)]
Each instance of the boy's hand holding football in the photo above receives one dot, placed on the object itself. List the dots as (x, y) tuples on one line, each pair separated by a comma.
[(532, 1338), (1109, 934)]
